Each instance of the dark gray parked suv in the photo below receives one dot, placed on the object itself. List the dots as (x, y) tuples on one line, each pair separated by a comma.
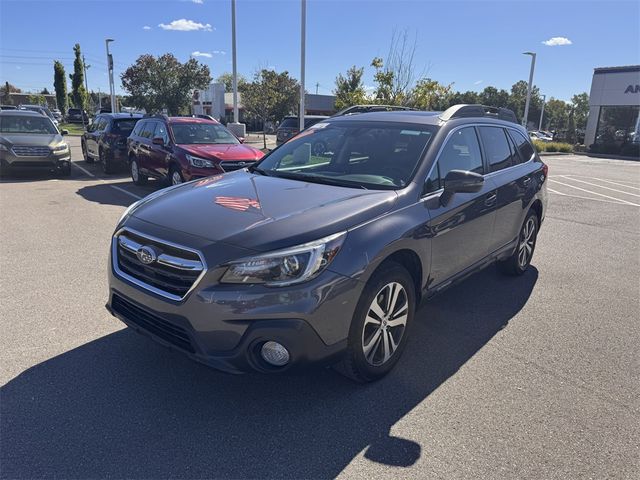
[(307, 258)]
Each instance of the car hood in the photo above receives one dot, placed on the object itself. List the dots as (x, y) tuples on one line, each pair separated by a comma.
[(35, 139), (224, 151), (262, 213)]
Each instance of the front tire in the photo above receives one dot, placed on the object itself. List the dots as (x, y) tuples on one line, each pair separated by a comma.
[(175, 177), (137, 177), (520, 260), (380, 325)]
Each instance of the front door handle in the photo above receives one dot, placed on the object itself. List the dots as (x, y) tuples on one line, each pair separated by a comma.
[(490, 201)]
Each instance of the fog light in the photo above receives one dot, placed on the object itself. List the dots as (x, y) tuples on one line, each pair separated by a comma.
[(275, 354)]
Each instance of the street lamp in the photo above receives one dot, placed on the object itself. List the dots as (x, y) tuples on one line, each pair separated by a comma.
[(526, 106), (544, 100), (303, 28), (112, 90)]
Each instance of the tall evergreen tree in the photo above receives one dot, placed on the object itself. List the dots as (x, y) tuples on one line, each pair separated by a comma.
[(78, 92)]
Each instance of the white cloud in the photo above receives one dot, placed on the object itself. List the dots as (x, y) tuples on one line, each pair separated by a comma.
[(146, 27), (184, 25), (219, 52), (556, 41), (478, 82), (201, 54), (199, 2)]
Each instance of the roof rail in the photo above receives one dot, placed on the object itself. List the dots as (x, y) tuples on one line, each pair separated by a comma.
[(156, 115), (370, 108), (465, 111)]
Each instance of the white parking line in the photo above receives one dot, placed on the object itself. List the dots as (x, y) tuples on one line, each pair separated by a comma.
[(599, 186), (115, 187), (594, 193), (585, 198), (606, 181)]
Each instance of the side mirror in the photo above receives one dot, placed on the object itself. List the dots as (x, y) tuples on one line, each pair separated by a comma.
[(240, 139), (460, 181), (158, 141), (64, 132)]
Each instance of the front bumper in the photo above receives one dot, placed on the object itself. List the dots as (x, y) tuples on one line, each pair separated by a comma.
[(224, 326), (51, 161)]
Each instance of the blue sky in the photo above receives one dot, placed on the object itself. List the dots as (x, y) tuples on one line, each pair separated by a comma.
[(470, 43)]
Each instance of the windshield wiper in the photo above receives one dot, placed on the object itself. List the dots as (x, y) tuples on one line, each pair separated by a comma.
[(320, 179), (254, 169)]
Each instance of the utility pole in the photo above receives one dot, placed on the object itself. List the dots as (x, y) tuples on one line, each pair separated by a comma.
[(237, 128), (112, 90), (86, 82), (317, 85), (529, 87), (303, 34), (544, 100)]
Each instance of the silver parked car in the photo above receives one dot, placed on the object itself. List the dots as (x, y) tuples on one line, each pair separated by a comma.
[(31, 140)]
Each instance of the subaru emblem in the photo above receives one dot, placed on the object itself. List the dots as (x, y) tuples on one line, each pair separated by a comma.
[(146, 255)]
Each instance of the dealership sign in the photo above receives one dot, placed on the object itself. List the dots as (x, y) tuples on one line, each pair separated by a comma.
[(633, 89)]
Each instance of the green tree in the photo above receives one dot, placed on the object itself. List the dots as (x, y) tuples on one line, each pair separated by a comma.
[(45, 91), (163, 82), (270, 96), (227, 80), (518, 98), (36, 99), (349, 89), (428, 94), (493, 97), (580, 104), (60, 85), (78, 92), (556, 114), (571, 127)]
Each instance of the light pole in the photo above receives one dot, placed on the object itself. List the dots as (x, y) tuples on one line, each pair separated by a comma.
[(544, 100), (526, 105), (303, 28), (233, 56), (112, 90)]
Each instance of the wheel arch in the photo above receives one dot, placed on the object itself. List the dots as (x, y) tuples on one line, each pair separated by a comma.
[(410, 260)]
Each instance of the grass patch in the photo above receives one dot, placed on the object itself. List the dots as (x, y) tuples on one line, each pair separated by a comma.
[(553, 147), (73, 128)]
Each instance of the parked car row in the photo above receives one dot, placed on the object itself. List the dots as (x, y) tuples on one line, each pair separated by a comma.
[(171, 149)]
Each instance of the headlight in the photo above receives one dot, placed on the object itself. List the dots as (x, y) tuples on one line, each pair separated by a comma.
[(286, 267), (63, 147), (199, 162)]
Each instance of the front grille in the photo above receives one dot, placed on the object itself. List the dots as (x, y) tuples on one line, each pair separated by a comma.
[(231, 166), (150, 322), (172, 272), (31, 151)]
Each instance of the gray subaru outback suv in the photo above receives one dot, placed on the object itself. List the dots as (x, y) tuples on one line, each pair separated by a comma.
[(322, 258)]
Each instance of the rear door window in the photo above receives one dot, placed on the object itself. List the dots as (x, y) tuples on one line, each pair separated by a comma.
[(496, 148), (525, 149)]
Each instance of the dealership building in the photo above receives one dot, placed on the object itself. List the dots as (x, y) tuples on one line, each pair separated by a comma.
[(613, 125)]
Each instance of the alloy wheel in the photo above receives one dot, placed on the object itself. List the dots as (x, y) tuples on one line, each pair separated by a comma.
[(385, 323), (527, 242), (176, 179)]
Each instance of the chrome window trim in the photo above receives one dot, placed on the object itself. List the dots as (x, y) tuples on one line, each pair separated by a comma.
[(486, 175), (146, 286)]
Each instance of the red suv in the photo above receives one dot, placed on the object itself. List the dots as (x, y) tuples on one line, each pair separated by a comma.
[(179, 149)]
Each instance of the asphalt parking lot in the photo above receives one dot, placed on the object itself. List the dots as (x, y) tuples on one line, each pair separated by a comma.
[(533, 377)]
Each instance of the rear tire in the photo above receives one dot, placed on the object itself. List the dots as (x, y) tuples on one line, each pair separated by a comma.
[(137, 177), (381, 324), (520, 260), (107, 163), (85, 154)]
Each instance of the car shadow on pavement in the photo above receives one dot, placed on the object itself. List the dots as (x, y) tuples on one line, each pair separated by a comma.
[(121, 406), (104, 193), (37, 175)]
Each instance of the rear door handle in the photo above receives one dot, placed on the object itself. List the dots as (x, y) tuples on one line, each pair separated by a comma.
[(491, 199), (526, 181)]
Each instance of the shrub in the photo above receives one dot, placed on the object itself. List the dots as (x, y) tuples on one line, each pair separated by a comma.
[(553, 147), (539, 146)]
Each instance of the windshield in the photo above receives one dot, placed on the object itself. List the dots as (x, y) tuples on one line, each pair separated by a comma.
[(290, 123), (202, 133), (124, 127), (27, 124), (352, 154)]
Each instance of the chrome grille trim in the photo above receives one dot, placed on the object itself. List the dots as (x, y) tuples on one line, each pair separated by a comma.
[(31, 151), (230, 166), (171, 261)]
